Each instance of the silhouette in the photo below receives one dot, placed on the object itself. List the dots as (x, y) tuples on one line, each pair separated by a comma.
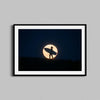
[(51, 52)]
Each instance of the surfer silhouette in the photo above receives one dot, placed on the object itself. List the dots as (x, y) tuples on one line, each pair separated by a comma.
[(51, 53)]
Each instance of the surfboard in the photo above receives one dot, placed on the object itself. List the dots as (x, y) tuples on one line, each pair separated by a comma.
[(49, 51)]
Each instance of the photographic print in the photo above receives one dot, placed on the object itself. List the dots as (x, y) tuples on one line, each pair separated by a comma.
[(50, 49)]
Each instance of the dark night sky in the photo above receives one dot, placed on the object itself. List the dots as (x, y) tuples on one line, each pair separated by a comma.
[(68, 43)]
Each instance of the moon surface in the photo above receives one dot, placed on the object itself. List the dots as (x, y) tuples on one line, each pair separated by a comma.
[(46, 54)]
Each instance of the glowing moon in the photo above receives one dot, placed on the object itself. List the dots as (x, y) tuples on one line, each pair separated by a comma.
[(48, 55)]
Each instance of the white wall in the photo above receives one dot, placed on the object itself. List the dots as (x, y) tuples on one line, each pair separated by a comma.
[(50, 12)]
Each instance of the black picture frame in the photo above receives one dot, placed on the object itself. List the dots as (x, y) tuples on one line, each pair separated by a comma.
[(85, 49)]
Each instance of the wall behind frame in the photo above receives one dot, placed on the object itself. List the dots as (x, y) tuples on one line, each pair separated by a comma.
[(49, 12)]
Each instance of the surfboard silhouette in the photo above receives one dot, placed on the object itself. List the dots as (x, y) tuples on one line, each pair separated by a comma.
[(50, 51)]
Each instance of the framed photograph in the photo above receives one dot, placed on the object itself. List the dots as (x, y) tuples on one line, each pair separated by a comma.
[(49, 49)]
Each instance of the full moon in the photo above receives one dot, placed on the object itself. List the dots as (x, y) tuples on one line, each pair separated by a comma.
[(50, 51)]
